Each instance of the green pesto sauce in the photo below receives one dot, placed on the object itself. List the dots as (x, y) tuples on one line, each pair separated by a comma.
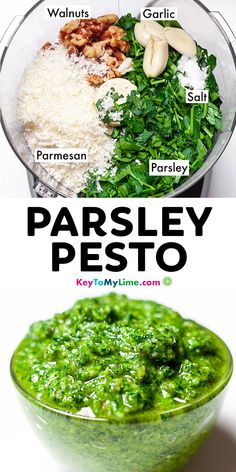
[(113, 357)]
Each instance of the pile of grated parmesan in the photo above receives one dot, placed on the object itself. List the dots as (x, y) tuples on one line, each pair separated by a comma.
[(190, 74), (92, 66), (56, 109)]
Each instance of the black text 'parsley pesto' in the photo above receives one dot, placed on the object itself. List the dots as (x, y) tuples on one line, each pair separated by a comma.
[(113, 357), (157, 123)]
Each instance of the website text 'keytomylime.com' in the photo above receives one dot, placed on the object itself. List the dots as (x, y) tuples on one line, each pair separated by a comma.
[(108, 282)]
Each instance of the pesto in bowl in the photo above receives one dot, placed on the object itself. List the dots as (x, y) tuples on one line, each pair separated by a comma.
[(121, 383)]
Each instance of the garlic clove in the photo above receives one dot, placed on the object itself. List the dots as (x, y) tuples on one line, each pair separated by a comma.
[(181, 41), (156, 56), (144, 29)]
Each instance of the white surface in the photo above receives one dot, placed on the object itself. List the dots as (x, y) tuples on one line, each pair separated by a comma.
[(210, 262), (13, 179), (20, 448)]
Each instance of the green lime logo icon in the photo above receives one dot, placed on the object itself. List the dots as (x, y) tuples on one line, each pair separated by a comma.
[(167, 281)]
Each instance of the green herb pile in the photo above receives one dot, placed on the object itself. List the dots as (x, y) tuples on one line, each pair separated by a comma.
[(158, 124), (115, 357)]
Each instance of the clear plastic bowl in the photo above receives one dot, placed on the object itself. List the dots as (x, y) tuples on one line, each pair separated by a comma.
[(161, 442), (34, 30)]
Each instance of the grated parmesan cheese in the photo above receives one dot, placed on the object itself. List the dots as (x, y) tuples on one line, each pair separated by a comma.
[(190, 74), (91, 66), (56, 109)]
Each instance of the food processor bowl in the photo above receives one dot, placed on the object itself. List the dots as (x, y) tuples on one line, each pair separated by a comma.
[(208, 29)]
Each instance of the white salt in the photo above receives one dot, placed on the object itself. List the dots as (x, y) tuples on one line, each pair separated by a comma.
[(190, 73)]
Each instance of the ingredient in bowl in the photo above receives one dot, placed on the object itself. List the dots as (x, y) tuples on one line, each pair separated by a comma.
[(155, 56), (145, 29), (156, 38), (180, 40), (113, 357), (56, 109), (153, 122), (95, 38), (108, 19), (190, 74), (157, 123)]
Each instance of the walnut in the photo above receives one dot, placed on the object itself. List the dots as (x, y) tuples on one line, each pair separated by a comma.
[(93, 28), (113, 73), (112, 62), (120, 44), (94, 38), (120, 56), (108, 19), (78, 40), (96, 50), (110, 52), (116, 30), (47, 46), (70, 27), (72, 50), (81, 32), (100, 47), (117, 41), (89, 52), (95, 79), (106, 35)]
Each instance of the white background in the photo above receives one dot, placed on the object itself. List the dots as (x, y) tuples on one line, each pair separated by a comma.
[(20, 448), (25, 262), (13, 178)]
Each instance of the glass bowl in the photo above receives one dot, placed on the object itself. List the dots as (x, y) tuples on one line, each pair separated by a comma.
[(160, 442), (33, 30)]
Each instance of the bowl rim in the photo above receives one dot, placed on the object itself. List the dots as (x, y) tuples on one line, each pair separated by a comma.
[(153, 416), (60, 189)]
